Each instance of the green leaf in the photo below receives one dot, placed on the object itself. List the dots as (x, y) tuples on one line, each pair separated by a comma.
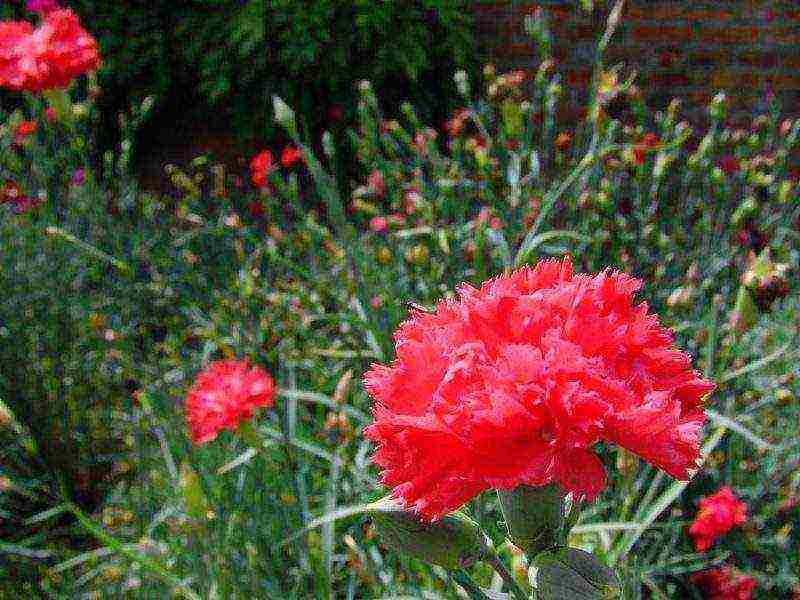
[(572, 574)]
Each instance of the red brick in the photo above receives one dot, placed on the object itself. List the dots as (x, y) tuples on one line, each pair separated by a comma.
[(761, 60), (729, 35), (666, 34)]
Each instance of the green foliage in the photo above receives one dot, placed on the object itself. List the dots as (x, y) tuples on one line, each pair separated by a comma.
[(234, 55), (111, 290)]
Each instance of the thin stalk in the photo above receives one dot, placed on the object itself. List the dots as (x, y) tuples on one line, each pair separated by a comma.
[(474, 591), (493, 559), (122, 266), (152, 565)]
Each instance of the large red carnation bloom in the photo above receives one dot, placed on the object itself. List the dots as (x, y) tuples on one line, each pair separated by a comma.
[(516, 381), (48, 57), (225, 394), (725, 584), (718, 514)]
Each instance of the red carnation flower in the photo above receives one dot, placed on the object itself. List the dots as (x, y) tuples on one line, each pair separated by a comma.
[(261, 166), (23, 130), (378, 224), (516, 381), (376, 183), (291, 156), (718, 514), (48, 57), (224, 395), (725, 584), (730, 165)]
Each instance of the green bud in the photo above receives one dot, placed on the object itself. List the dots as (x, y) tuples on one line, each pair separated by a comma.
[(571, 574), (718, 107), (784, 191), (745, 312), (534, 516), (746, 209), (197, 506), (455, 541), (462, 82), (512, 118), (284, 115)]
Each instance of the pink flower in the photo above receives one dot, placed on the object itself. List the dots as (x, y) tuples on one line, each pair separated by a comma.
[(515, 382), (725, 584), (376, 183), (718, 514), (378, 224), (48, 57), (224, 395), (42, 6)]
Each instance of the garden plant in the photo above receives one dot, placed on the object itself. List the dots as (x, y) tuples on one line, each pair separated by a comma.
[(513, 357)]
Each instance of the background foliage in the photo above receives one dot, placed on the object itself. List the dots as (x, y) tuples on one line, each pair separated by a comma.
[(225, 58)]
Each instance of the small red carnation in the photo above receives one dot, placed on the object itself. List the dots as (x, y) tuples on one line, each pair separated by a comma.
[(455, 125), (376, 183), (718, 514), (515, 382), (725, 584), (730, 165), (48, 57), (224, 395), (23, 130), (291, 156), (649, 142), (378, 224), (261, 166), (11, 193)]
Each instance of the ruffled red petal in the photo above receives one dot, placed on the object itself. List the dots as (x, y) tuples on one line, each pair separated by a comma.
[(515, 382), (225, 394)]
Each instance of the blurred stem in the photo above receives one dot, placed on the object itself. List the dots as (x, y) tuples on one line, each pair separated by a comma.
[(550, 200), (152, 565), (494, 560), (474, 591), (60, 101), (122, 266)]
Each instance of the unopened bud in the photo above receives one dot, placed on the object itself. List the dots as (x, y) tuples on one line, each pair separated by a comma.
[(453, 542), (462, 82), (534, 516), (197, 506), (284, 115)]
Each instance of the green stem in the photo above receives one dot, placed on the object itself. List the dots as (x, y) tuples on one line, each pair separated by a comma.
[(155, 567), (124, 267), (494, 560), (473, 590)]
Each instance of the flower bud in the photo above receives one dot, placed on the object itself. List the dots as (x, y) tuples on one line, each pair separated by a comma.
[(462, 82), (197, 506), (284, 115), (718, 107), (534, 516), (455, 541)]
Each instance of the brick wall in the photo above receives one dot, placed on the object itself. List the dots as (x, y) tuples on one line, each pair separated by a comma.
[(680, 48)]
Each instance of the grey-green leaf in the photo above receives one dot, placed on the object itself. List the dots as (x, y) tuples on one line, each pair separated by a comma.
[(571, 574)]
